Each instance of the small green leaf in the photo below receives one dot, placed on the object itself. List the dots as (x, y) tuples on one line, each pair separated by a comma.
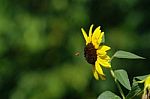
[(108, 95), (122, 77), (128, 55)]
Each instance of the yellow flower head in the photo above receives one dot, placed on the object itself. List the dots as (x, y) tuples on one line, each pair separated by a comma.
[(95, 52), (146, 94)]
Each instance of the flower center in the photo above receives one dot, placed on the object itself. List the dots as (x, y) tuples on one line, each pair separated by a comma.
[(90, 53)]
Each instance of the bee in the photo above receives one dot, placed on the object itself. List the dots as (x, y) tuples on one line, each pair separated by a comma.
[(77, 53)]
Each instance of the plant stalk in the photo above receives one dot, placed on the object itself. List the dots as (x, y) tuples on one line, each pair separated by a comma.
[(117, 83)]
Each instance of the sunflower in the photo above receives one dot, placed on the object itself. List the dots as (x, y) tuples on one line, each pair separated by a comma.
[(95, 52)]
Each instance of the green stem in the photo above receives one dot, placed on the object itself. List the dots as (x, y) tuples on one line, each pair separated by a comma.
[(111, 58), (117, 83)]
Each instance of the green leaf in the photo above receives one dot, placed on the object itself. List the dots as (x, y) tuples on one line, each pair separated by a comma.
[(122, 77), (108, 95), (128, 55)]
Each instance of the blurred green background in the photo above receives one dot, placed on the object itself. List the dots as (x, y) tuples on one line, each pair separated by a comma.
[(39, 39)]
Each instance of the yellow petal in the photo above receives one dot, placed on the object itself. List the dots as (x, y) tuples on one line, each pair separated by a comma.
[(105, 48), (96, 36), (90, 32), (97, 31), (85, 35), (106, 57), (98, 68), (99, 71), (95, 74), (104, 62), (100, 38), (146, 87), (101, 52), (147, 81)]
